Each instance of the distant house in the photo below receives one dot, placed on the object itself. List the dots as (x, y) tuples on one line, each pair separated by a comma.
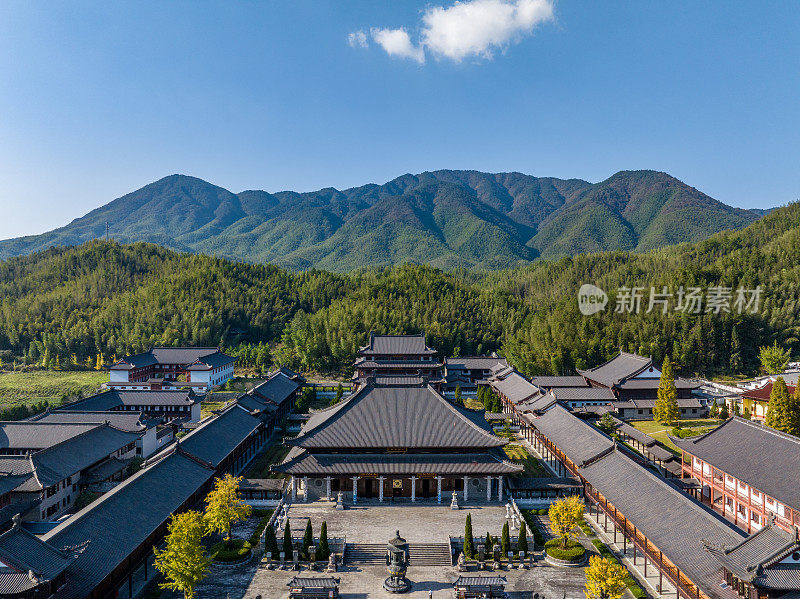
[(397, 355), (276, 395), (755, 400), (172, 368), (468, 372), (169, 405)]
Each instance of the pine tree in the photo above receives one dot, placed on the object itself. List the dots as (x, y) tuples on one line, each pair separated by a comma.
[(308, 540), (724, 413), (288, 547), (778, 416), (523, 538), (735, 364), (666, 410), (794, 412), (505, 540), (469, 542), (323, 551), (46, 358), (183, 561), (270, 542)]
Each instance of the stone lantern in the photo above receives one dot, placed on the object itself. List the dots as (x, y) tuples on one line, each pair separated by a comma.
[(397, 564)]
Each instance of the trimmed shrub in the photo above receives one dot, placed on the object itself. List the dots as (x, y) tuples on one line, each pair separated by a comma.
[(262, 524), (236, 550), (573, 553)]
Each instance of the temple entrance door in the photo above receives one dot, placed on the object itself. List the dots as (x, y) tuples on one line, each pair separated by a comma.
[(426, 488), (397, 488), (368, 487)]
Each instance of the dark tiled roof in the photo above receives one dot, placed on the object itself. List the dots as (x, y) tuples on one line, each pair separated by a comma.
[(579, 440), (480, 581), (396, 345), (475, 362), (549, 382), (513, 385), (126, 421), (211, 361), (683, 402), (263, 484), (634, 433), (38, 435), (400, 380), (251, 404), (538, 403), (674, 522), (637, 384), (756, 558), (78, 453), (114, 398), (397, 364), (546, 482), (26, 552), (583, 394), (754, 453), (277, 388), (380, 417), (617, 369), (308, 582), (305, 463), (215, 439), (183, 356), (122, 519)]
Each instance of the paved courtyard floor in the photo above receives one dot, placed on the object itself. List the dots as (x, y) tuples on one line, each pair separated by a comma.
[(375, 523)]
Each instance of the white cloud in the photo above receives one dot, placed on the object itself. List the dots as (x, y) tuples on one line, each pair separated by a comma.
[(467, 28), (477, 27), (357, 39), (397, 42)]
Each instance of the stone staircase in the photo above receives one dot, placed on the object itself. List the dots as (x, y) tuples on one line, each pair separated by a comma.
[(365, 554), (420, 554), (429, 554)]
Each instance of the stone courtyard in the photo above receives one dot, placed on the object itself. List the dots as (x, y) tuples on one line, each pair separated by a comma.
[(376, 523)]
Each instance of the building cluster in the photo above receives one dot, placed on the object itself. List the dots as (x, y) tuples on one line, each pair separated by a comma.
[(200, 368), (719, 522)]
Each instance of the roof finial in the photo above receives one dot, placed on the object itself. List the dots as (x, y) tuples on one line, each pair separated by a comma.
[(16, 521)]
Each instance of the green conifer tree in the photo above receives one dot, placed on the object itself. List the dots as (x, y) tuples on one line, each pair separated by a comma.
[(505, 540), (323, 551), (523, 538), (469, 543), (666, 410), (308, 540), (288, 547), (778, 409)]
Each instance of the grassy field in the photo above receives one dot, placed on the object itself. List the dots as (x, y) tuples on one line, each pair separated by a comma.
[(207, 407), (53, 385), (659, 431), (260, 466)]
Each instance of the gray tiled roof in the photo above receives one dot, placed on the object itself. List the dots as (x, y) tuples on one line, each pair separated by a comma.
[(122, 519), (549, 382), (634, 433), (396, 345), (583, 394), (480, 581), (683, 402), (22, 435), (114, 398), (754, 453), (546, 482), (617, 369), (754, 559), (77, 453), (210, 361), (183, 356), (215, 439), (305, 463), (475, 362), (638, 384), (579, 440), (26, 552), (309, 582), (380, 417), (421, 364), (673, 521), (513, 385), (538, 403), (277, 388), (126, 421)]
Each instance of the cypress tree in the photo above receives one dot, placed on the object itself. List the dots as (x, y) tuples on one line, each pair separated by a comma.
[(288, 547), (523, 538), (270, 542), (778, 416), (488, 544), (469, 543), (308, 539), (323, 551), (724, 414), (505, 540), (458, 399)]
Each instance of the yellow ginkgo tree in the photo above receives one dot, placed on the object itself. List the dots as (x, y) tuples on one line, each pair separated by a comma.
[(183, 561), (224, 506), (565, 515), (605, 579)]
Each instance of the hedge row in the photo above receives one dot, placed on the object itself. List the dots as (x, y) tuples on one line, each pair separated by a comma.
[(239, 549), (262, 524), (630, 581)]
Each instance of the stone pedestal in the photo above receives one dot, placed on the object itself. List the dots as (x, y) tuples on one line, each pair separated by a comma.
[(339, 501), (454, 502)]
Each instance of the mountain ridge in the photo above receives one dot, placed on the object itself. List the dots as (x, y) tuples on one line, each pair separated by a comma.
[(446, 218)]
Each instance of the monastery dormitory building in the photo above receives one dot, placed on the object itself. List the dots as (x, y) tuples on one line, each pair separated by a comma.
[(200, 368)]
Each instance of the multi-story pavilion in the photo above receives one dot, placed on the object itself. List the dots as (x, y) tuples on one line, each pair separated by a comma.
[(397, 438), (748, 471), (397, 355)]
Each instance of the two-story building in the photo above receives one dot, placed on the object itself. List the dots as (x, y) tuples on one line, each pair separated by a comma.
[(169, 405), (468, 372), (172, 368), (397, 355)]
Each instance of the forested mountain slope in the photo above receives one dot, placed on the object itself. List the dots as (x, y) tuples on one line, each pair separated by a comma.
[(448, 219), (116, 299)]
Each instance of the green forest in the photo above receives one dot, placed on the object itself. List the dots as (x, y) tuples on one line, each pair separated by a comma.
[(70, 304)]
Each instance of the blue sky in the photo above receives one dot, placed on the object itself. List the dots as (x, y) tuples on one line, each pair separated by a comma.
[(100, 98)]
